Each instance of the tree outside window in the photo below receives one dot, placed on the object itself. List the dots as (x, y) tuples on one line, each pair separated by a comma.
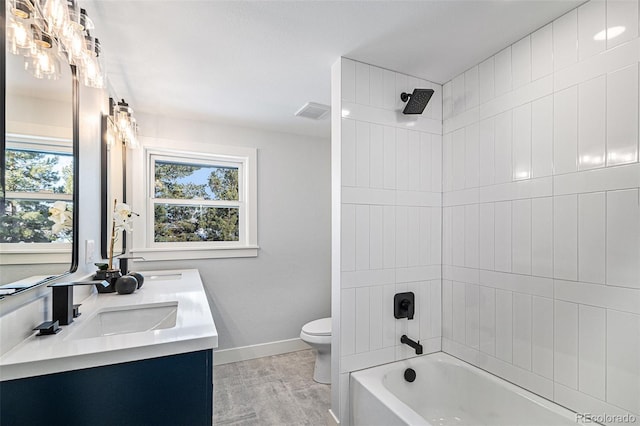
[(196, 202), (35, 181)]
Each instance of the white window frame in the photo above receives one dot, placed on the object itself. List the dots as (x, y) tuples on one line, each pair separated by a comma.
[(29, 253), (242, 158)]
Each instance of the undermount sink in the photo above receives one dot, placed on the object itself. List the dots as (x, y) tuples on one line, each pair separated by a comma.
[(127, 319)]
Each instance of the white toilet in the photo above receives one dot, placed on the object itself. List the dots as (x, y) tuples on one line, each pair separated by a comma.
[(317, 334)]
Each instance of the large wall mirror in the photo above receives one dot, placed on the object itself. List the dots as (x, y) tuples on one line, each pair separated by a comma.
[(39, 214), (113, 183)]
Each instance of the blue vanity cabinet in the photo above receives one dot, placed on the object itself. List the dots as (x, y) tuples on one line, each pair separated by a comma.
[(170, 390)]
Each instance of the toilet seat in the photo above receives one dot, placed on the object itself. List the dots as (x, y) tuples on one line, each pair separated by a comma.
[(321, 327)]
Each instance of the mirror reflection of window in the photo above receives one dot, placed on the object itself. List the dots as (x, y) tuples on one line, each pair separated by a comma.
[(39, 190)]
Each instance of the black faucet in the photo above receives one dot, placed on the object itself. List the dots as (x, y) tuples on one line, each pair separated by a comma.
[(415, 345), (124, 263), (64, 311)]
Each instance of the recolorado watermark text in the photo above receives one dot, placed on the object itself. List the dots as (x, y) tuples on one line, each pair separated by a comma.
[(606, 418)]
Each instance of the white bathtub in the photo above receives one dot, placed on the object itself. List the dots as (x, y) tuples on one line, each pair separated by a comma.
[(446, 391)]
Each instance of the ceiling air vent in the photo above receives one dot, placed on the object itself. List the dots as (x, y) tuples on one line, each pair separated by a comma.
[(313, 110)]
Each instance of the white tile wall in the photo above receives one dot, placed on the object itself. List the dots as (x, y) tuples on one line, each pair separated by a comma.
[(622, 13), (457, 239), (521, 62), (503, 135), (486, 236), (542, 137), (566, 344), (565, 37), (487, 316), (458, 153), (622, 116), (623, 238), (522, 317), (592, 351), (471, 155), (471, 235), (591, 237), (542, 336), (623, 362), (521, 237), (472, 315), (504, 325), (537, 230), (522, 142), (457, 88), (472, 96), (486, 80), (542, 52), (591, 21), (486, 145), (565, 130), (502, 236), (591, 123), (503, 74), (391, 221), (553, 303), (565, 237), (458, 324), (542, 237)]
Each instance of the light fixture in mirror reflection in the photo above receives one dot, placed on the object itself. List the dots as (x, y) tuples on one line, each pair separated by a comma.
[(47, 32), (119, 132), (123, 125)]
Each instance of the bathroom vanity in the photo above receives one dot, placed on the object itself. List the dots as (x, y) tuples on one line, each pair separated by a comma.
[(144, 358)]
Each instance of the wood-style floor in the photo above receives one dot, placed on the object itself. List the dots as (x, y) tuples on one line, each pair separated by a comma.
[(275, 390)]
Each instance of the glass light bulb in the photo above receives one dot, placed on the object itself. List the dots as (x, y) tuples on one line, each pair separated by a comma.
[(20, 34), (92, 73), (44, 64), (123, 121), (74, 45), (19, 39), (132, 141), (58, 15), (90, 69)]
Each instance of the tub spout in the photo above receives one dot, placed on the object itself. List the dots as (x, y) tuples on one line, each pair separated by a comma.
[(415, 345)]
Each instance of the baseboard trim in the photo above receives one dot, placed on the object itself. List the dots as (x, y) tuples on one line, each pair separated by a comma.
[(243, 353)]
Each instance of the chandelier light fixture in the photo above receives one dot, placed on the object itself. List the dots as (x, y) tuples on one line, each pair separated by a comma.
[(46, 32)]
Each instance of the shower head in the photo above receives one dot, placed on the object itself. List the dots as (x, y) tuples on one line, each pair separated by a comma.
[(418, 100)]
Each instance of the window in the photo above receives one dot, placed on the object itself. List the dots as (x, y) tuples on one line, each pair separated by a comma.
[(196, 202), (37, 212), (200, 205)]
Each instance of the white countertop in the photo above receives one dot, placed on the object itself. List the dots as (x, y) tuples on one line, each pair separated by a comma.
[(194, 330)]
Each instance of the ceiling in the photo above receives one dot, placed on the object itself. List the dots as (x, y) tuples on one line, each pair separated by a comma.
[(254, 63)]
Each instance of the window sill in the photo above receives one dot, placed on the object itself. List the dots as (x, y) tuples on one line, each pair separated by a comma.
[(33, 255), (186, 253)]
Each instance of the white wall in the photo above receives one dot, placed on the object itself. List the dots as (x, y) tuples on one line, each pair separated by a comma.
[(387, 220), (541, 217), (267, 298), (38, 117)]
